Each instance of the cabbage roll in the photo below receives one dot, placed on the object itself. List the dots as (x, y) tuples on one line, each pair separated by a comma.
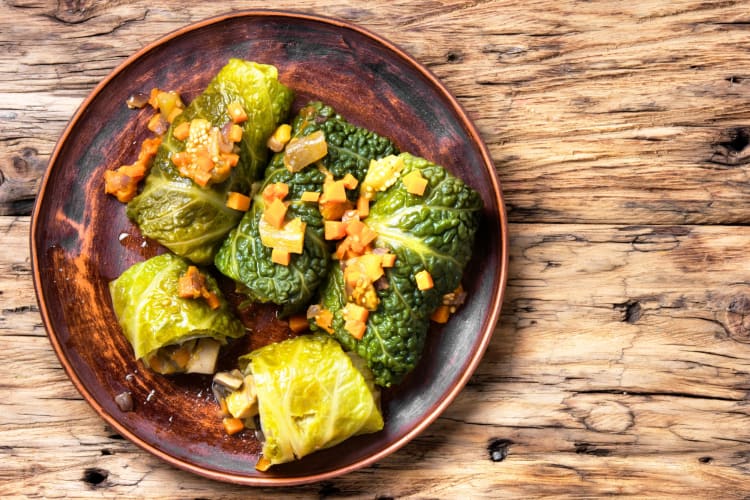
[(432, 232), (168, 333), (185, 217), (309, 395), (243, 256)]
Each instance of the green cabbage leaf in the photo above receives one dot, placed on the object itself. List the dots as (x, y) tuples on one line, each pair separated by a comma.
[(246, 260), (152, 315), (311, 395), (433, 232), (191, 220)]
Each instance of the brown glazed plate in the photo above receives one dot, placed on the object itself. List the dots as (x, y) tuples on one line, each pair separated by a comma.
[(81, 238)]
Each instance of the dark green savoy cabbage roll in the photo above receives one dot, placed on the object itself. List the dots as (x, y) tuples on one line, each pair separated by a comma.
[(433, 232), (311, 395), (168, 333), (244, 258), (191, 220)]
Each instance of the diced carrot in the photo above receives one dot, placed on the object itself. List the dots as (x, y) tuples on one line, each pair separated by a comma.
[(332, 210), (388, 260), (233, 425), (190, 284), (349, 181), (355, 312), (279, 256), (363, 206), (235, 133), (312, 196), (298, 323), (200, 177), (122, 186), (230, 159), (441, 314), (203, 162), (181, 159), (211, 298), (415, 183), (238, 201), (237, 112), (275, 213), (153, 98), (424, 280), (334, 230), (181, 131), (324, 319), (262, 464), (275, 190), (354, 227), (334, 192), (149, 148), (355, 328), (181, 356), (136, 171), (342, 249)]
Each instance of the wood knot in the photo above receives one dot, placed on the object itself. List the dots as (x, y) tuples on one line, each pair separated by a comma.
[(498, 449), (631, 311), (737, 320), (609, 416), (95, 476), (733, 150)]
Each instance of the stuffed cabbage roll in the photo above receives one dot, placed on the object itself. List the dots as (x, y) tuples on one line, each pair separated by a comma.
[(309, 395), (168, 333), (431, 235), (190, 219), (245, 258)]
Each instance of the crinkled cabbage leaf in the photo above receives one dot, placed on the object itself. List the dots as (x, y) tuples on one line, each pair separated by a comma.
[(245, 259), (191, 220), (152, 315), (433, 232), (311, 395)]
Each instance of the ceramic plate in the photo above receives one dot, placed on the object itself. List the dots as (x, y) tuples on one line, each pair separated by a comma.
[(81, 238)]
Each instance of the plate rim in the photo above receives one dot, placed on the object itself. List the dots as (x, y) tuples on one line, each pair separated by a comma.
[(490, 322)]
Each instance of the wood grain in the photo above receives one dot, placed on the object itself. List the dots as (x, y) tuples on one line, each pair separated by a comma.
[(593, 383), (620, 132)]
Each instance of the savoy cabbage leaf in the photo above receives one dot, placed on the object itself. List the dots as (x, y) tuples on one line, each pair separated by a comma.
[(191, 220)]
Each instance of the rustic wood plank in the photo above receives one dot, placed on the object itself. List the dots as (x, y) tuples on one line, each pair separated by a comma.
[(620, 366), (578, 102)]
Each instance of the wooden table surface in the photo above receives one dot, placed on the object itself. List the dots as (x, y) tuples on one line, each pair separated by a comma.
[(620, 135)]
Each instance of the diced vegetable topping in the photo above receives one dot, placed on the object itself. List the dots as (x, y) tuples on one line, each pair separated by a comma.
[(310, 196), (233, 425), (275, 190), (298, 323), (123, 182), (303, 151), (424, 280), (415, 183), (192, 285), (290, 237), (275, 212), (321, 317), (280, 137), (381, 175), (238, 201), (279, 256), (208, 157), (236, 112)]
